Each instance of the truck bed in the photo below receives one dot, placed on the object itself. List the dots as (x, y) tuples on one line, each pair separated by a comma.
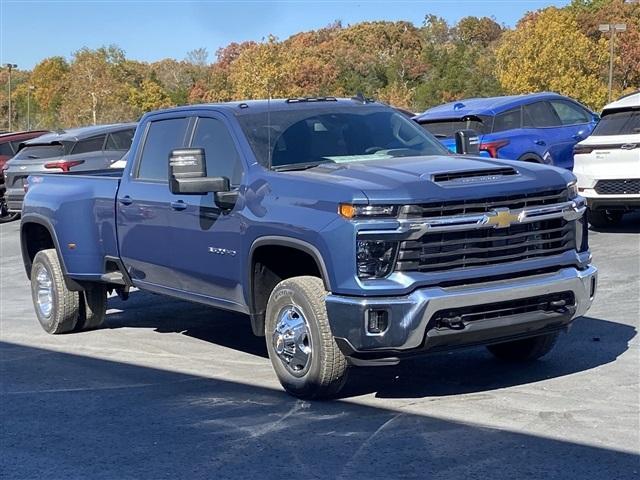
[(88, 198)]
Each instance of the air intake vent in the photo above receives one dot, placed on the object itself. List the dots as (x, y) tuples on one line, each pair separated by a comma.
[(474, 175)]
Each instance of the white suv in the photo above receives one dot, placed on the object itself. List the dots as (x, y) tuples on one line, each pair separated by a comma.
[(607, 163)]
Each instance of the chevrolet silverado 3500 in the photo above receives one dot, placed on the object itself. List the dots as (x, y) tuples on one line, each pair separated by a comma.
[(347, 233)]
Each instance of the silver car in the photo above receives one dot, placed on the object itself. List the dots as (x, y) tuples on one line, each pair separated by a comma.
[(78, 149)]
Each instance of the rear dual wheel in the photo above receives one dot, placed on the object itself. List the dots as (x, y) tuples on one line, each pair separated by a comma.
[(60, 310)]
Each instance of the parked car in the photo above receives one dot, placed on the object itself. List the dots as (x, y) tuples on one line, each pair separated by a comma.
[(541, 127), (347, 233), (9, 145), (607, 163), (78, 149)]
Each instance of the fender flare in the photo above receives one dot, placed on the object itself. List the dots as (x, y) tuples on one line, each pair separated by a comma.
[(257, 319), (44, 222)]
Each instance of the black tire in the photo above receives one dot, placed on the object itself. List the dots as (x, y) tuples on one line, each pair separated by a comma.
[(525, 350), (604, 218), (325, 372), (5, 216), (93, 308), (64, 305)]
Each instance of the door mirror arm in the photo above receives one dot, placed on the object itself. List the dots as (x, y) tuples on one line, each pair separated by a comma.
[(226, 200)]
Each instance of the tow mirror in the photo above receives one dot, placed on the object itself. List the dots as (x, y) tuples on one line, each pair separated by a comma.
[(467, 142), (188, 174)]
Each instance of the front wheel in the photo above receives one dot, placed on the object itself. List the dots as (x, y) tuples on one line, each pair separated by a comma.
[(525, 350), (302, 349)]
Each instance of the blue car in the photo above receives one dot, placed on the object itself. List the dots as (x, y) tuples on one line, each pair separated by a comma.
[(540, 127)]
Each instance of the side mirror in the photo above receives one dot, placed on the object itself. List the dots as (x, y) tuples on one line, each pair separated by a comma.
[(467, 142), (188, 174)]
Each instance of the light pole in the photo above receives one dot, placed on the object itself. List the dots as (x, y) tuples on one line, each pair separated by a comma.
[(10, 66), (613, 28), (29, 90)]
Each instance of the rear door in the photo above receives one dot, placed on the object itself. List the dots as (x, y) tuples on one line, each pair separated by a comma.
[(144, 201), (88, 153), (575, 125), (205, 238)]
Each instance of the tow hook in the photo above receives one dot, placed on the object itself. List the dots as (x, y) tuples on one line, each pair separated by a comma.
[(454, 323), (559, 306)]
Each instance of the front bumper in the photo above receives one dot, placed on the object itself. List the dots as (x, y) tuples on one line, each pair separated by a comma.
[(413, 326), (597, 201)]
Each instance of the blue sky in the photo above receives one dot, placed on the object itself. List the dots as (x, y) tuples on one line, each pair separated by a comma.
[(152, 30)]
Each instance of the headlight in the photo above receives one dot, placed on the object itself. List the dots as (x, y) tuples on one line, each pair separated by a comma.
[(375, 258), (572, 189), (366, 211)]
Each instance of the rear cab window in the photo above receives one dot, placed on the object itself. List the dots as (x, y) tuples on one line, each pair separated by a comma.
[(161, 137), (621, 122)]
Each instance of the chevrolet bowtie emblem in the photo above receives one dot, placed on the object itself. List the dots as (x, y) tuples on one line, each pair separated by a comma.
[(502, 218)]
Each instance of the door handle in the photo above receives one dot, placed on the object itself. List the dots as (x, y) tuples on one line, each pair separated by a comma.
[(540, 142), (178, 205), (126, 200)]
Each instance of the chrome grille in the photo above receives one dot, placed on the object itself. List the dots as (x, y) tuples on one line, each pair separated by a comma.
[(513, 202), (486, 246), (618, 187)]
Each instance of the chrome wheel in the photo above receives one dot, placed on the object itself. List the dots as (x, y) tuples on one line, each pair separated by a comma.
[(44, 291), (292, 340)]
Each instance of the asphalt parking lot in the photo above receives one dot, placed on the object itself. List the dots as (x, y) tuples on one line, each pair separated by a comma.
[(169, 389)]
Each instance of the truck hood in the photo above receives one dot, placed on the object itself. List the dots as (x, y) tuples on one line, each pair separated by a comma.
[(434, 178)]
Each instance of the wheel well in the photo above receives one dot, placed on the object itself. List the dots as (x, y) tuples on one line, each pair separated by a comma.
[(35, 237), (270, 264)]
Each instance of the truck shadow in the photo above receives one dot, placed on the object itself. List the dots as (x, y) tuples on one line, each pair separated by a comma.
[(76, 416), (630, 224), (590, 343)]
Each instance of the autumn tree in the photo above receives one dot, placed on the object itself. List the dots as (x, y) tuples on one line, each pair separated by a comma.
[(49, 79), (96, 91), (547, 51)]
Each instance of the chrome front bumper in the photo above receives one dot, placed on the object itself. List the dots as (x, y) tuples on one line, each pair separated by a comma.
[(411, 317)]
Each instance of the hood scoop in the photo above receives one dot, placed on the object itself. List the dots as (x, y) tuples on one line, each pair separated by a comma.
[(472, 176)]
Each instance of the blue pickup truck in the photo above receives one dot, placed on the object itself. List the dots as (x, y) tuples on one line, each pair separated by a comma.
[(345, 232)]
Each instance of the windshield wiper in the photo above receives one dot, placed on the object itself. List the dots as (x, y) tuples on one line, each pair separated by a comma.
[(299, 166)]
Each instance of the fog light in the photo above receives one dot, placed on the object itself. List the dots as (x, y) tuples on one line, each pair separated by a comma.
[(377, 321)]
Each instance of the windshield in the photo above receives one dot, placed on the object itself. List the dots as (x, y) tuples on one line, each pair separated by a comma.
[(447, 128), (306, 137), (40, 151), (619, 123)]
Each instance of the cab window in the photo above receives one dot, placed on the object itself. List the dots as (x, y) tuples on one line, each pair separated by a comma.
[(223, 159), (162, 137)]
